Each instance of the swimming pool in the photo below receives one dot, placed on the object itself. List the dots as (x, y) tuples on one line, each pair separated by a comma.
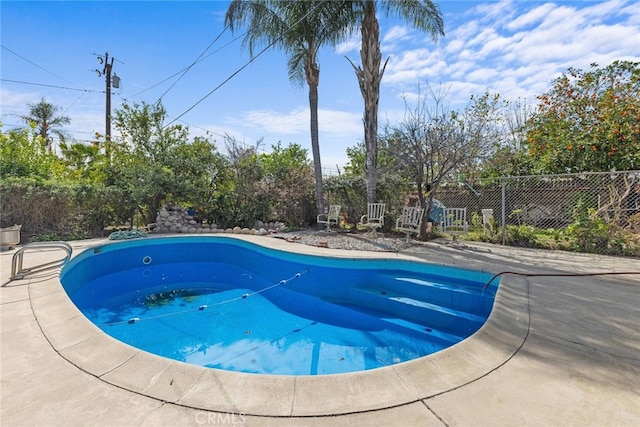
[(225, 303)]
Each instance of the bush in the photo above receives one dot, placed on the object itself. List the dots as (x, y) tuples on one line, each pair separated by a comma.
[(521, 235), (53, 211), (593, 234)]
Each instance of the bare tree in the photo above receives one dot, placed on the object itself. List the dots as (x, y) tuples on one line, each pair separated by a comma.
[(432, 142), (517, 116)]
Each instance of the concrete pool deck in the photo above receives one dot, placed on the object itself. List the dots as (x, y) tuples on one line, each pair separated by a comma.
[(555, 351)]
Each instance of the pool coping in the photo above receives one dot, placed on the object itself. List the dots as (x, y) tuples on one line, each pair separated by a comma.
[(88, 348)]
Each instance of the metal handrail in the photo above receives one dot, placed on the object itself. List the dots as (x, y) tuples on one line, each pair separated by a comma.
[(17, 272)]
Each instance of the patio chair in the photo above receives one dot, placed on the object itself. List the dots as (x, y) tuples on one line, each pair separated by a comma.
[(410, 221), (331, 217), (454, 222), (374, 218)]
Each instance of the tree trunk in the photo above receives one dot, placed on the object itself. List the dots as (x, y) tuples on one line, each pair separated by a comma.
[(369, 77), (313, 80)]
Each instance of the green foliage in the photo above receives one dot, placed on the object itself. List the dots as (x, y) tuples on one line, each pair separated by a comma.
[(288, 183), (591, 233), (507, 161), (589, 121), (22, 154), (349, 192), (49, 210), (153, 163), (82, 161), (521, 235)]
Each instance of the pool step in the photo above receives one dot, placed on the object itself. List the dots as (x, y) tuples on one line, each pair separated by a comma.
[(435, 316), (438, 334), (447, 338), (467, 297)]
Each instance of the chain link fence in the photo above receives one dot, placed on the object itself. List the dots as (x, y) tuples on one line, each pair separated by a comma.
[(588, 212)]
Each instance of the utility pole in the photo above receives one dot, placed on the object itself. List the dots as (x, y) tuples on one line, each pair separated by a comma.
[(106, 71)]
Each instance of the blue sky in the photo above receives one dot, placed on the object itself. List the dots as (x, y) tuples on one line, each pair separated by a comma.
[(515, 48)]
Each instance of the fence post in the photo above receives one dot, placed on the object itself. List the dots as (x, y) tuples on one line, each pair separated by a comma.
[(504, 211)]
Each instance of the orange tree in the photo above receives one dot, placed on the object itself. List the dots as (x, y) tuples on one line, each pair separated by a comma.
[(588, 121)]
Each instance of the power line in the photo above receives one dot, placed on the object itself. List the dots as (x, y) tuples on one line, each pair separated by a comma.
[(53, 86), (33, 63), (247, 64), (186, 68), (73, 103), (199, 127), (221, 84), (193, 63)]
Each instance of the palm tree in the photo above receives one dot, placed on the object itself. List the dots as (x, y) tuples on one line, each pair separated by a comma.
[(423, 15), (43, 115), (300, 29)]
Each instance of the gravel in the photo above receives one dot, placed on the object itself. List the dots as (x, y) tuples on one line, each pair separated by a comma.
[(346, 240)]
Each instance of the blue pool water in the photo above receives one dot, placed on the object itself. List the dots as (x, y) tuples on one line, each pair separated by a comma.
[(225, 303)]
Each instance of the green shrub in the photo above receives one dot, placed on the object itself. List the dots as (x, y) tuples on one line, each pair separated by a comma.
[(521, 235)]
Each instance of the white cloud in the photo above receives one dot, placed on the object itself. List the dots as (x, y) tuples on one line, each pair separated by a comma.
[(393, 37), (341, 123), (16, 103), (533, 16), (296, 122), (351, 45), (515, 49), (494, 13), (270, 121)]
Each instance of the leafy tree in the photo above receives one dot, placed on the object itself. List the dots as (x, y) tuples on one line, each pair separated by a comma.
[(300, 29), (245, 200), (44, 116), (589, 121), (289, 182), (198, 168), (151, 162), (280, 161), (81, 159), (23, 154), (423, 15)]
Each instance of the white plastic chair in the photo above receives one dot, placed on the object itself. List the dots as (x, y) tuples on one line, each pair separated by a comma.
[(455, 221), (374, 218), (410, 220), (331, 217)]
